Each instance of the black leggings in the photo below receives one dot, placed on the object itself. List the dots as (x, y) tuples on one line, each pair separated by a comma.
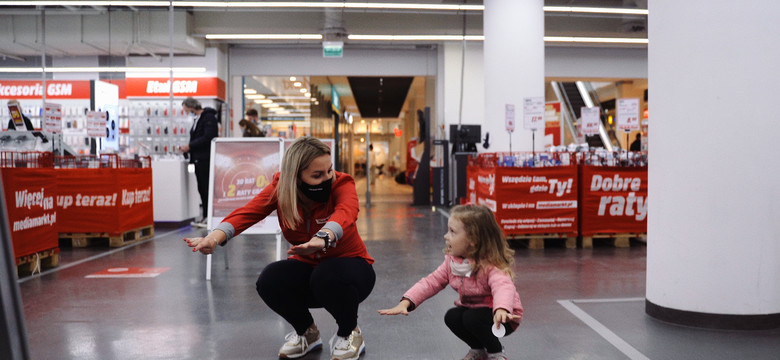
[(290, 288), (472, 325)]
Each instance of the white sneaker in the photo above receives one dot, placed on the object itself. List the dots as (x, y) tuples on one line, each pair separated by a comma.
[(297, 346), (202, 223), (347, 348)]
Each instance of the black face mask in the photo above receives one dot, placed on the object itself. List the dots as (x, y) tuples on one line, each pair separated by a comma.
[(319, 192)]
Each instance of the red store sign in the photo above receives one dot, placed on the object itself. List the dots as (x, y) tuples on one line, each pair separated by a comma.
[(182, 87), (32, 89)]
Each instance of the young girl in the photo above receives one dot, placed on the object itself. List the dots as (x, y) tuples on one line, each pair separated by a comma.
[(478, 265)]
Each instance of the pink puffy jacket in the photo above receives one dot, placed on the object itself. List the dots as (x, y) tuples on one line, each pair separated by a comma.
[(489, 287)]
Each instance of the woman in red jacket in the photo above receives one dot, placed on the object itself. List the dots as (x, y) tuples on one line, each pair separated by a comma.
[(328, 265)]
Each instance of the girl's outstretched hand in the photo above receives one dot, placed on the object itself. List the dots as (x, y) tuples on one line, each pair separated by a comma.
[(501, 316), (401, 308)]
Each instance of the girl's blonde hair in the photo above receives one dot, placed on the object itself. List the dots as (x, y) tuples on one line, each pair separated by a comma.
[(489, 243), (296, 158)]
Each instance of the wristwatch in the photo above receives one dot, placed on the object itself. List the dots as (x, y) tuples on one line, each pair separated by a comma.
[(325, 236)]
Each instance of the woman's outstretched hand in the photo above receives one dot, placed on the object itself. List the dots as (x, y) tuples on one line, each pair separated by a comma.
[(310, 247), (205, 245), (401, 308)]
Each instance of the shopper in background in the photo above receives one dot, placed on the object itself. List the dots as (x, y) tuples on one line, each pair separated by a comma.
[(249, 129), (204, 129), (636, 145), (254, 118), (328, 265), (478, 265), (27, 123)]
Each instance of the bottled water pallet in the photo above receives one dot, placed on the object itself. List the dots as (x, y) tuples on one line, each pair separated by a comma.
[(127, 237), (33, 263), (616, 240), (536, 241)]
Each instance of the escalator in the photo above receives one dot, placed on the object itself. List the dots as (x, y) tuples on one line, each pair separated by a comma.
[(571, 95)]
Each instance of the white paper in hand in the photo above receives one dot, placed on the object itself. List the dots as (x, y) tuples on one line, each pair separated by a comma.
[(499, 332)]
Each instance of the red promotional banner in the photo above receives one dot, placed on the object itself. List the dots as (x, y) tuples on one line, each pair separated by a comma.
[(104, 200), (182, 87), (535, 200), (32, 89), (614, 200), (32, 216)]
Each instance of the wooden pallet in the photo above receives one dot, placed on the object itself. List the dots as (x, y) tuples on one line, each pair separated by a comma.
[(616, 240), (125, 238), (536, 241), (28, 264)]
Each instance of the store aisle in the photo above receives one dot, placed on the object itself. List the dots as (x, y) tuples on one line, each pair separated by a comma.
[(180, 315)]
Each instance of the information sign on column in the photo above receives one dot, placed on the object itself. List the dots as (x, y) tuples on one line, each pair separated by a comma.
[(96, 123), (533, 113), (52, 118), (510, 117), (628, 114), (590, 120)]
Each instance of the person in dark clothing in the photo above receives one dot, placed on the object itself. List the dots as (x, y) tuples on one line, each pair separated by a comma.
[(27, 123), (249, 129), (204, 129), (637, 144)]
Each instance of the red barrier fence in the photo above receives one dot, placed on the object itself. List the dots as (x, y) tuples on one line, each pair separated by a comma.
[(562, 193), (46, 195)]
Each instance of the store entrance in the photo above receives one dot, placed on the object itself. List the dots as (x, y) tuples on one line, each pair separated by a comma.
[(371, 119)]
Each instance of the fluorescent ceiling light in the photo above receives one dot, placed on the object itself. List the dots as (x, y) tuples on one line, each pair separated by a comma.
[(576, 39), (595, 10), (270, 105), (287, 97), (416, 37), (297, 84), (293, 78), (303, 90), (312, 4), (250, 91), (99, 69), (264, 101), (264, 36)]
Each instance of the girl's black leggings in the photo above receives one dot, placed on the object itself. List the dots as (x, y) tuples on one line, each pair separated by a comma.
[(472, 325), (290, 288)]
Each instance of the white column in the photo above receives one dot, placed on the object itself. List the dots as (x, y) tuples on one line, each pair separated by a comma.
[(514, 67), (713, 255)]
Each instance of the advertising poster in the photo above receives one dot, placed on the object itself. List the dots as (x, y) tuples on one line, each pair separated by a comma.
[(628, 114), (590, 120), (552, 123), (241, 168), (16, 116), (52, 118), (614, 200), (536, 200), (32, 216), (96, 123)]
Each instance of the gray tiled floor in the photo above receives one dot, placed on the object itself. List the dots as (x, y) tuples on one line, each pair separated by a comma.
[(179, 315)]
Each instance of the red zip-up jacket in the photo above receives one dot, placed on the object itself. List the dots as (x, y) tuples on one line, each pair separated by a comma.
[(339, 214)]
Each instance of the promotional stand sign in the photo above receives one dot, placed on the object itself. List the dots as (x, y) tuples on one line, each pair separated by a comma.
[(628, 114), (533, 117), (590, 120), (240, 169), (52, 118)]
